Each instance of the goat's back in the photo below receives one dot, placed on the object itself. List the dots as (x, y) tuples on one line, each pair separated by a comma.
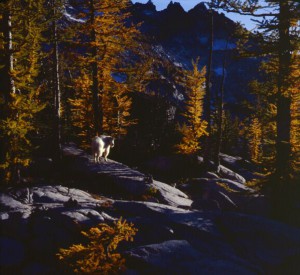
[(97, 143)]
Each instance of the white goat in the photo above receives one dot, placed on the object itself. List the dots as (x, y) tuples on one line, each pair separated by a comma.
[(101, 146)]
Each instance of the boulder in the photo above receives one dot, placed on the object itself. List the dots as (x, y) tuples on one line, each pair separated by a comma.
[(119, 180), (228, 194), (243, 167), (171, 195), (269, 243), (231, 175), (223, 172), (210, 175), (180, 257)]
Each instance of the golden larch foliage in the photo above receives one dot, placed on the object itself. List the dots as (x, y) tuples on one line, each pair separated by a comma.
[(295, 113), (255, 140), (99, 255), (194, 127), (110, 41), (18, 122), (81, 109)]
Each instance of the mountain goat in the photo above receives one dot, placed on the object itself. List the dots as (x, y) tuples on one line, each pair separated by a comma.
[(101, 146)]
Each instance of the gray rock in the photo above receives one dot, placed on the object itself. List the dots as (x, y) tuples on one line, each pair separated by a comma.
[(229, 174), (243, 167), (163, 214), (151, 230), (86, 216), (229, 195), (264, 241), (211, 175), (220, 184), (115, 178), (4, 216), (180, 257), (173, 238), (8, 202), (172, 196), (212, 199)]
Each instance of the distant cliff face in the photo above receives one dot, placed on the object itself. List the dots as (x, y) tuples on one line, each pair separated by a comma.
[(179, 37), (182, 36), (175, 21)]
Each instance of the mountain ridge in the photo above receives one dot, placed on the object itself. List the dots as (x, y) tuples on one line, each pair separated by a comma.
[(183, 36)]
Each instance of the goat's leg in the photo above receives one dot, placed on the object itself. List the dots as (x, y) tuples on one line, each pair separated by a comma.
[(106, 152), (99, 156)]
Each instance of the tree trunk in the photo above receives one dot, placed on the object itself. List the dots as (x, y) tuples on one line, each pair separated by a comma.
[(97, 99), (8, 81), (57, 88), (220, 113), (207, 107), (283, 119), (8, 86)]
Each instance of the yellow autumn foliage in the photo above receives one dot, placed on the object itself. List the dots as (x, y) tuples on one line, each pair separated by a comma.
[(81, 109), (21, 102), (96, 89), (98, 255), (195, 126), (255, 140)]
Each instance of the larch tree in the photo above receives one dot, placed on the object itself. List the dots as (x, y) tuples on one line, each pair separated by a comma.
[(255, 140), (116, 107), (194, 126), (106, 35), (264, 113), (295, 113), (82, 109), (56, 7), (20, 44), (278, 41)]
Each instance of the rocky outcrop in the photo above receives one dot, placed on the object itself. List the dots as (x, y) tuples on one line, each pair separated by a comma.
[(180, 257), (180, 37), (227, 195), (118, 180), (173, 236), (36, 221), (241, 166)]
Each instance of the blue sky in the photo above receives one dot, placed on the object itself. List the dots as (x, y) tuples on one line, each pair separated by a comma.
[(188, 4)]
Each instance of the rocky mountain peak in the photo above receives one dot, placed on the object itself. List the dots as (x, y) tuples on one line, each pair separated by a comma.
[(175, 7), (147, 6), (199, 8)]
